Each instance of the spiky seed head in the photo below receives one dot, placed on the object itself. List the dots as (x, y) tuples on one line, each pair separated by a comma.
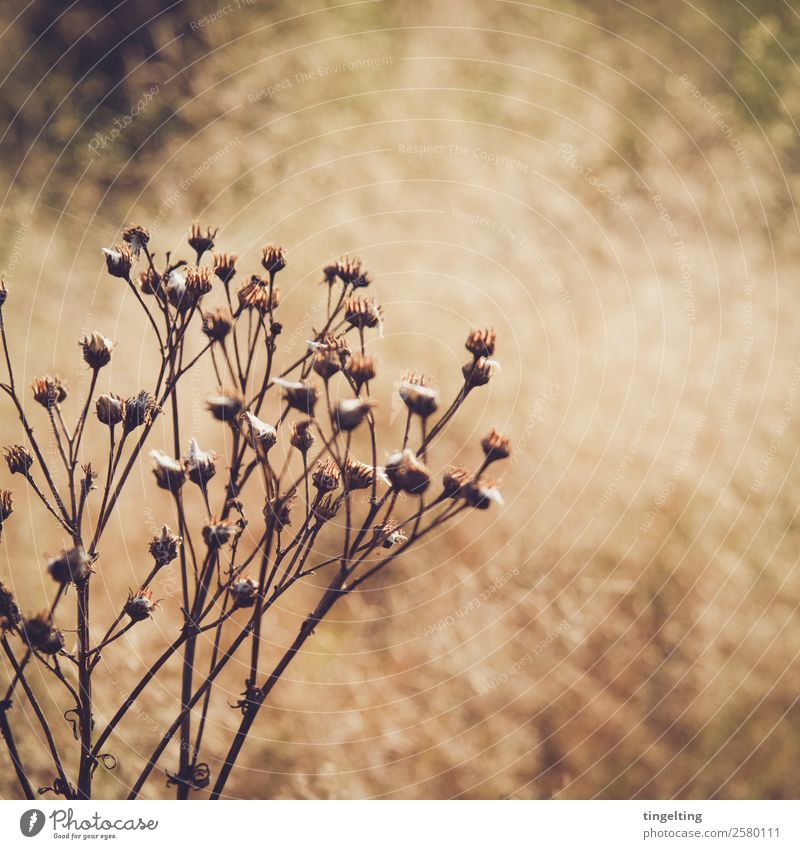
[(260, 435), (217, 323), (388, 535), (199, 465), (140, 409), (164, 547), (495, 447), (350, 412), (417, 394), (6, 505), (454, 480), (19, 459), (326, 477), (481, 342), (219, 532), (137, 237), (49, 390), (358, 475), (255, 294), (3, 292), (226, 407), (363, 312), (349, 270), (109, 409), (198, 283), (331, 354), (407, 473), (96, 350), (70, 567), (140, 605), (299, 395), (360, 369), (118, 261), (169, 473), (479, 372), (327, 508), (482, 494), (10, 617), (300, 435), (202, 242), (39, 633), (225, 266), (243, 592), (273, 258)]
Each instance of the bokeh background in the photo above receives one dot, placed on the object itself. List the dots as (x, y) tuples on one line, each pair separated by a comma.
[(613, 188)]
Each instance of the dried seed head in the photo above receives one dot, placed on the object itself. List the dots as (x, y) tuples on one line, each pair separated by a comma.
[(49, 390), (363, 312), (169, 473), (225, 266), (39, 633), (350, 412), (279, 510), (417, 394), (140, 605), (19, 459), (360, 369), (481, 494), (6, 506), (198, 283), (259, 434), (327, 508), (220, 532), (199, 465), (164, 547), (118, 261), (226, 407), (217, 323), (255, 294), (479, 372), (495, 447), (10, 616), (70, 567), (388, 535), (96, 350), (149, 282), (243, 592), (331, 354), (326, 477), (454, 480), (175, 287), (300, 435), (138, 410), (407, 473), (137, 237), (3, 292), (298, 395), (202, 242), (273, 258), (349, 270), (480, 343), (358, 475), (109, 409)]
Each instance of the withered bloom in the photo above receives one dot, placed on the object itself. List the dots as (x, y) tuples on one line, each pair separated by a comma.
[(218, 533), (6, 507), (198, 283), (175, 287), (279, 511), (70, 567), (495, 447), (199, 465), (260, 435), (479, 372), (358, 475), (255, 294), (454, 480), (363, 312), (388, 535), (96, 350), (360, 369), (482, 495), (19, 459), (49, 390), (109, 409), (202, 242), (349, 270), (417, 394), (243, 592), (326, 477), (118, 261), (273, 258), (149, 282), (137, 237), (300, 435), (327, 508), (3, 292), (10, 617), (331, 354), (480, 343), (169, 473), (217, 323), (164, 547), (298, 395), (140, 605), (140, 409), (407, 473), (226, 407), (225, 266), (350, 412), (39, 633)]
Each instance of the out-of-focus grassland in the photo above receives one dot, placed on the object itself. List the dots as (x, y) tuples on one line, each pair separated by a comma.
[(627, 624)]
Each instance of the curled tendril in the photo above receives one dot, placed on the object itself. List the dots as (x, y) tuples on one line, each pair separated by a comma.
[(107, 760), (196, 777), (73, 718), (59, 788), (252, 699)]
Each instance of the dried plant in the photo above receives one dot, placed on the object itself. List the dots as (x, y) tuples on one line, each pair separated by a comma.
[(301, 438)]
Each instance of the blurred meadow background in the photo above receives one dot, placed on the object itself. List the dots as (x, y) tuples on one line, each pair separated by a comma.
[(613, 188)]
